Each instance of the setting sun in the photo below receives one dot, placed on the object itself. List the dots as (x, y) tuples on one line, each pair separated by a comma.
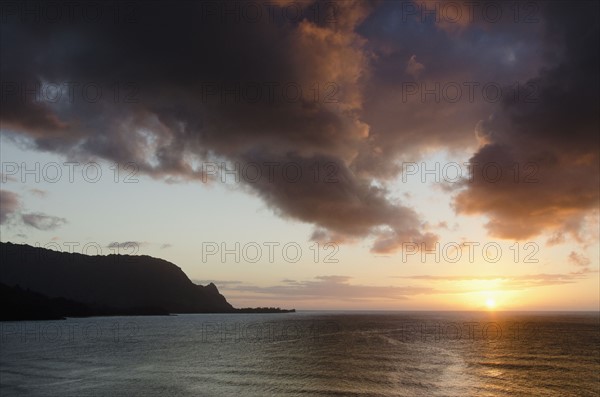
[(490, 303)]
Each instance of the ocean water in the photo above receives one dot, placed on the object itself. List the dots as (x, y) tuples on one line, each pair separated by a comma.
[(305, 354)]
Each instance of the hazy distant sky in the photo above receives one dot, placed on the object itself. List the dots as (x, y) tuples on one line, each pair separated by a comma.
[(376, 134)]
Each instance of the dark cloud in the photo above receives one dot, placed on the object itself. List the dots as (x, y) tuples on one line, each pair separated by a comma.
[(554, 140), (178, 91), (412, 115), (337, 200), (178, 121)]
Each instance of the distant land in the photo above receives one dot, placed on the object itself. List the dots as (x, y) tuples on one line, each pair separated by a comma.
[(42, 284)]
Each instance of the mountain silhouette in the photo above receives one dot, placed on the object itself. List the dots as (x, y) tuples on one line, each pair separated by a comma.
[(111, 284), (19, 304)]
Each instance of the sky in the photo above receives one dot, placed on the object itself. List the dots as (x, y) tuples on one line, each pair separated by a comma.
[(404, 155)]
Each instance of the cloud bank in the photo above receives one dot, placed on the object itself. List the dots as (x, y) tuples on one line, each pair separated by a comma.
[(180, 86)]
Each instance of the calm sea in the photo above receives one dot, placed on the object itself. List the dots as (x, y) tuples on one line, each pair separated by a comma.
[(305, 354)]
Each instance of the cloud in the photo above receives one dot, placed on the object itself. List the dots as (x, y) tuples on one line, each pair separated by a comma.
[(341, 288), (38, 192), (546, 148), (177, 122), (42, 221), (192, 84), (414, 68), (331, 287), (126, 245), (9, 204), (408, 119), (183, 117), (579, 259), (347, 207), (506, 282)]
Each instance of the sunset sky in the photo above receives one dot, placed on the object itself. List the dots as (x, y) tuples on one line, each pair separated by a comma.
[(392, 155)]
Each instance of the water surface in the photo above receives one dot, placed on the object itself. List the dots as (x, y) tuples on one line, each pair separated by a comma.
[(305, 354)]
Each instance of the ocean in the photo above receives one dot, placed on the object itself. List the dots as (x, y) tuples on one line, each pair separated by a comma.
[(305, 354)]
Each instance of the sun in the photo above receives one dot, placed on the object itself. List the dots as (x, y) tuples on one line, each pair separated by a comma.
[(490, 303)]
